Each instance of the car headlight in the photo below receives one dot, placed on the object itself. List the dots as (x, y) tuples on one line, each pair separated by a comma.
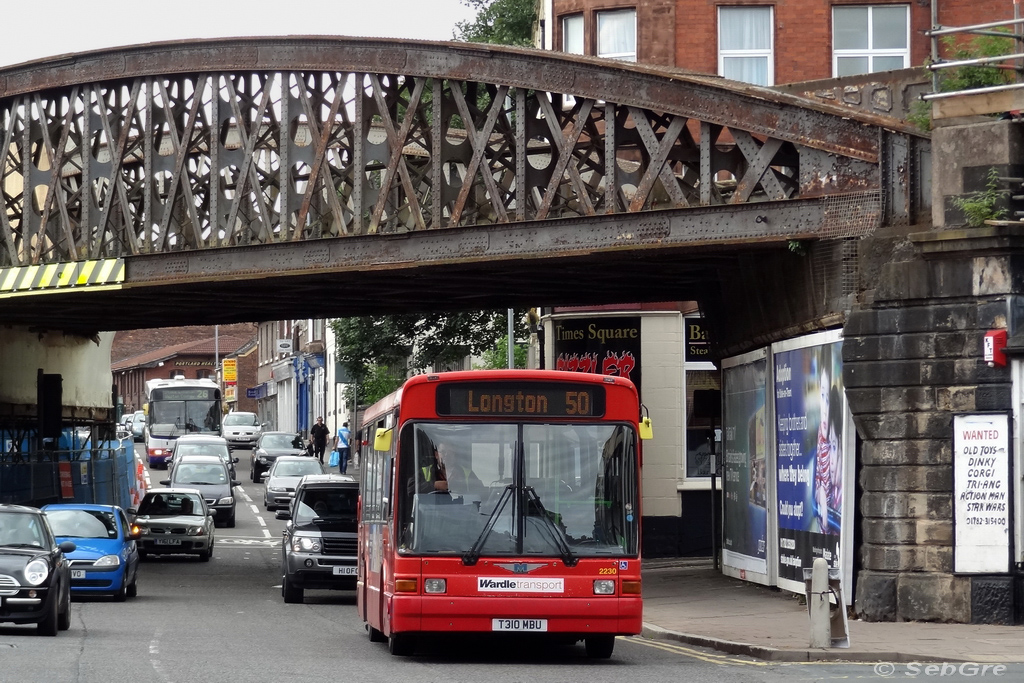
[(263, 459), (196, 531), (143, 529), (36, 572), (107, 561), (435, 585), (305, 544), (278, 489), (604, 587)]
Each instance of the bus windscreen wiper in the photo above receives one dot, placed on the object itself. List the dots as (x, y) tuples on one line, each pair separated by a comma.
[(554, 532), (470, 557)]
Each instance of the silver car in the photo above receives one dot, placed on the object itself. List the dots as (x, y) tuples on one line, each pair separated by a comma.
[(284, 476), (175, 521), (241, 429), (204, 444)]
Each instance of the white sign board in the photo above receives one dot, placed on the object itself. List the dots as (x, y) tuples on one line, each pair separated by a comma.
[(981, 489), (284, 345)]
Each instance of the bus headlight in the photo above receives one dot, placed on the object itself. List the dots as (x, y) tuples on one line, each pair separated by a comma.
[(604, 587), (435, 586)]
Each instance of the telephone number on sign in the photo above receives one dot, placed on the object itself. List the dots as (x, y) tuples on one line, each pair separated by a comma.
[(519, 624)]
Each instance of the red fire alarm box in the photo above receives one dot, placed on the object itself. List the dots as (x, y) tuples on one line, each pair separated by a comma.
[(995, 344)]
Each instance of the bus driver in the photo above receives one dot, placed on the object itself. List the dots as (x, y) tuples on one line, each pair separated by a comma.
[(447, 474)]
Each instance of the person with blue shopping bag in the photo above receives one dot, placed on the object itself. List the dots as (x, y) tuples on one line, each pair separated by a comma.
[(343, 447)]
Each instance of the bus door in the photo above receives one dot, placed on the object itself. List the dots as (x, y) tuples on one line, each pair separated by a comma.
[(375, 537)]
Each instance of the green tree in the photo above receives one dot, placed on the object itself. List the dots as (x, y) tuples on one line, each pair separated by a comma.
[(501, 22), (496, 357), (378, 347)]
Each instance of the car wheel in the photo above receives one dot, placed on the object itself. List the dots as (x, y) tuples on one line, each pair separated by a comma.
[(205, 556), (402, 644), (64, 618), (255, 475), (231, 521), (375, 635), (133, 587), (48, 625), (291, 592), (600, 647), (122, 592)]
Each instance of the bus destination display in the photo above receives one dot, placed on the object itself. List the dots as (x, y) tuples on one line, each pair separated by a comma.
[(184, 394), (478, 399)]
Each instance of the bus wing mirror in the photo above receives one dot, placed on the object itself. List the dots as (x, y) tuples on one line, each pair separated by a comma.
[(382, 439), (646, 430)]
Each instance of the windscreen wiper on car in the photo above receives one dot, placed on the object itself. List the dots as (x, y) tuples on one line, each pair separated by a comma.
[(554, 532), (470, 557)]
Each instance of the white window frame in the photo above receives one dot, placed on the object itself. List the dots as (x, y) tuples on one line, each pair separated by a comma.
[(769, 53), (582, 32), (624, 56), (869, 52)]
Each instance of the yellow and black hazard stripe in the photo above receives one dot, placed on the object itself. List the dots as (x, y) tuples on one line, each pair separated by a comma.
[(53, 277)]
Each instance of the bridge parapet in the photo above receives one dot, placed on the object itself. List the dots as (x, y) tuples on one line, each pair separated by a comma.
[(205, 144)]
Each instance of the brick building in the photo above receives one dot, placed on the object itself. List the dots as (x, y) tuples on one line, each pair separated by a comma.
[(760, 42), (194, 359)]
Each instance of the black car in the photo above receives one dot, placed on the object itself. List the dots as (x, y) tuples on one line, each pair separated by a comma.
[(209, 475), (320, 540), (271, 446), (35, 576)]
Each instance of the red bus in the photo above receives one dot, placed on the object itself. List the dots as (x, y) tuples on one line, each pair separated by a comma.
[(502, 501)]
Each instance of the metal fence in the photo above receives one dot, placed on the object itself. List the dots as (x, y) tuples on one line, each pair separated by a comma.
[(1015, 60), (105, 474)]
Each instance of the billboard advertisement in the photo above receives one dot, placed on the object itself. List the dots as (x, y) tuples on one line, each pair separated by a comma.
[(813, 466), (605, 346), (745, 467)]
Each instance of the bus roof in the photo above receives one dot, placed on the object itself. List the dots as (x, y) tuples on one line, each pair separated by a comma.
[(179, 381)]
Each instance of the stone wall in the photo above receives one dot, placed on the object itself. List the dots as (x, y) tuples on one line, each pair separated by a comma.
[(913, 358)]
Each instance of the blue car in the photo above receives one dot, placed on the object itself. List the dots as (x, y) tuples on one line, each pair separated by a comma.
[(105, 560)]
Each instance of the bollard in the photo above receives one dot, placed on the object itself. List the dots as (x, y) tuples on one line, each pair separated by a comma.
[(818, 605)]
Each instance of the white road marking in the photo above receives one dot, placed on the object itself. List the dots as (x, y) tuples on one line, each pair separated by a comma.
[(245, 495), (243, 542), (154, 651)]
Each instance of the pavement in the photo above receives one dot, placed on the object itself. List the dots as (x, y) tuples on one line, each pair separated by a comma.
[(689, 601)]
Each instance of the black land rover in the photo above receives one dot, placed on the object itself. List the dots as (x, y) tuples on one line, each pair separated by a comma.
[(320, 541)]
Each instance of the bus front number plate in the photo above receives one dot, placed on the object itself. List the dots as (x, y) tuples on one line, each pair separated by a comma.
[(519, 624)]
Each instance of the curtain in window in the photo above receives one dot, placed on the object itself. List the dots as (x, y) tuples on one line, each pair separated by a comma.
[(745, 28), (572, 34), (616, 34), (746, 69)]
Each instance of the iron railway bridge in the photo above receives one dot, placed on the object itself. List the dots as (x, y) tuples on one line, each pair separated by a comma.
[(312, 176)]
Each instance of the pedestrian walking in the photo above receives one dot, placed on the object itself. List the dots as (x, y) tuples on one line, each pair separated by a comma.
[(319, 433), (344, 447)]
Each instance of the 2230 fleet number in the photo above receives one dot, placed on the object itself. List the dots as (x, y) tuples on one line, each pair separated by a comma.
[(607, 570)]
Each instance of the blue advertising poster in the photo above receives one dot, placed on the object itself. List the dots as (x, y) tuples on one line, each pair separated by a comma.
[(745, 532), (809, 411)]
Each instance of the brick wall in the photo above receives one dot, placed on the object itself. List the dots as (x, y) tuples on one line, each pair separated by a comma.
[(684, 33)]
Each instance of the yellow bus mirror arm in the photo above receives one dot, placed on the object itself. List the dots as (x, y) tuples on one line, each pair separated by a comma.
[(646, 430), (382, 439)]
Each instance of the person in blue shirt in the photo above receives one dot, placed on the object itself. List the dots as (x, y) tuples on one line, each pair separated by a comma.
[(344, 447)]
